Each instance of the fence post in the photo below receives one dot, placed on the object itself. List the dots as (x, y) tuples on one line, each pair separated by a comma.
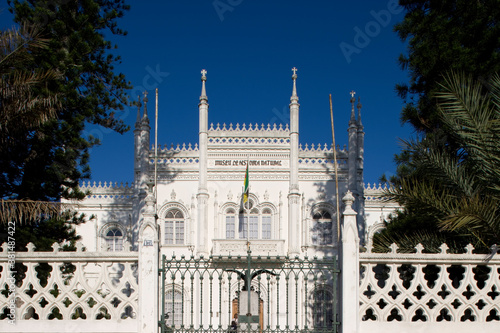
[(350, 268), (148, 270)]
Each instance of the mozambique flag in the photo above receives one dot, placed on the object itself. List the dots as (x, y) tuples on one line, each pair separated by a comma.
[(245, 184)]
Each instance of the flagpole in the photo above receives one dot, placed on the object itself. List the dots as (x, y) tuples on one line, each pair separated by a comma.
[(249, 281), (156, 156), (248, 209), (336, 172)]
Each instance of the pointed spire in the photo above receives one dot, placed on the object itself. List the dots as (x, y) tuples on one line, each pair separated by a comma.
[(145, 99), (294, 97), (359, 111), (203, 97), (353, 117), (138, 110)]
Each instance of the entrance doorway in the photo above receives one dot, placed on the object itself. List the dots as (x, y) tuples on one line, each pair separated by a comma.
[(261, 312)]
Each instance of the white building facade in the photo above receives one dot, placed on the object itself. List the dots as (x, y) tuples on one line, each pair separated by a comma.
[(179, 249), (199, 210), (293, 204)]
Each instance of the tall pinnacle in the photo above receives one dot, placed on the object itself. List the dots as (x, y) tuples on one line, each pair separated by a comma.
[(353, 117), (145, 100), (203, 97), (138, 110), (359, 110), (294, 97)]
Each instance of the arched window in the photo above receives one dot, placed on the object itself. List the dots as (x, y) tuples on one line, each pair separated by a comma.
[(174, 227), (114, 239), (173, 308), (322, 228), (254, 224), (259, 222), (323, 309), (230, 224), (266, 223), (243, 221)]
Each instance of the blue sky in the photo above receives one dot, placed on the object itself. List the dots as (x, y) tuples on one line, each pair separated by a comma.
[(248, 48)]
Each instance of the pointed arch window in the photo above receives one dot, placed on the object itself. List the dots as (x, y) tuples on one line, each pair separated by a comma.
[(230, 224), (258, 222), (322, 228), (253, 225), (114, 239), (249, 221), (266, 223), (174, 227)]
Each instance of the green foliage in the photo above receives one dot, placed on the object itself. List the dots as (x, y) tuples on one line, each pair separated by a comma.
[(44, 232), (453, 192), (408, 228), (23, 107), (48, 162), (443, 36), (61, 56), (444, 183)]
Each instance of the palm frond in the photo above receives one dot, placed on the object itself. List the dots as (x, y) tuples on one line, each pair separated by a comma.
[(472, 113), (406, 242), (477, 212), (27, 211)]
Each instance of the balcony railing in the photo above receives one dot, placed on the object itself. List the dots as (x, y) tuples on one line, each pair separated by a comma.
[(259, 247)]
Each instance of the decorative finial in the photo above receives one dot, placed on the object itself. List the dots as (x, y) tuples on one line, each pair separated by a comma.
[(294, 97), (203, 96), (145, 99), (348, 200)]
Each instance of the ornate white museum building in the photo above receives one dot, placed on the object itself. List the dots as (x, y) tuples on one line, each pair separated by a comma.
[(186, 248), (292, 194)]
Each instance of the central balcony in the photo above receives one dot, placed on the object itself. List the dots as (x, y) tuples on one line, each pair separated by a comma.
[(259, 247)]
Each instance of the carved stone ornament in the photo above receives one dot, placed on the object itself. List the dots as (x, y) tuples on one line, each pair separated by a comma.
[(321, 195)]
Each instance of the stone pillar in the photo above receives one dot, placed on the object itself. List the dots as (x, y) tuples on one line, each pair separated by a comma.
[(361, 138), (293, 194), (141, 167), (203, 195), (350, 268), (145, 142), (360, 207), (353, 149), (148, 270), (137, 144)]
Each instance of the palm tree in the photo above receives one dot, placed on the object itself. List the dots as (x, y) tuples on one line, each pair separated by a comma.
[(455, 188)]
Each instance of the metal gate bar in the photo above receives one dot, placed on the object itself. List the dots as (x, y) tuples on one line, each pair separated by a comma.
[(283, 294)]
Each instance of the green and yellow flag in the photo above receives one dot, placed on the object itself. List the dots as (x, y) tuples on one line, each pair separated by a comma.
[(245, 191)]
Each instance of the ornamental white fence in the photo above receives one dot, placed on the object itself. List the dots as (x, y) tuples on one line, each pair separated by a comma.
[(381, 292), (440, 292), (68, 291)]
